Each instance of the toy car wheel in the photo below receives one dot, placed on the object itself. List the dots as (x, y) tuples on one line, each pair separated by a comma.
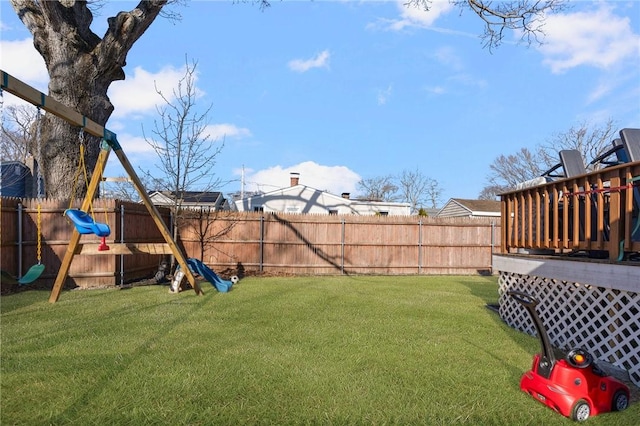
[(620, 401), (581, 411)]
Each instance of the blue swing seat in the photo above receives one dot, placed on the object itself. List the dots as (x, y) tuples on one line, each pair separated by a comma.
[(85, 224)]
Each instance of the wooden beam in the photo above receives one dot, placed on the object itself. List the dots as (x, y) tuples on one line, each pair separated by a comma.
[(47, 103), (39, 99), (124, 249)]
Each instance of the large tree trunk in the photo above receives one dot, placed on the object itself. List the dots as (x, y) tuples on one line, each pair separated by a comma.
[(81, 67)]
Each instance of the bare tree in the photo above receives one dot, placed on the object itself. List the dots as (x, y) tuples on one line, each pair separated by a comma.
[(18, 124), (590, 140), (418, 190), (210, 225), (525, 17), (507, 171), (185, 151), (434, 193), (492, 192), (380, 188)]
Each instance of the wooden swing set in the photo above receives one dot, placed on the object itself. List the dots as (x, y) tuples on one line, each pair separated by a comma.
[(84, 224)]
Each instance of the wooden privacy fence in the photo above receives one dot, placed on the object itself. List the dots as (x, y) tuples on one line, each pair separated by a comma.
[(331, 244), (250, 243)]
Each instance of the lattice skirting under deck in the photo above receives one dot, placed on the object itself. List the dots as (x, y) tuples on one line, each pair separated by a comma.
[(606, 322)]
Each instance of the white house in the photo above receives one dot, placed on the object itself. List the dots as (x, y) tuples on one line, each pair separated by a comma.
[(299, 198), (191, 199)]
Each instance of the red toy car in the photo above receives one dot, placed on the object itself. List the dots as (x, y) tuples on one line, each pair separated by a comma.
[(574, 386)]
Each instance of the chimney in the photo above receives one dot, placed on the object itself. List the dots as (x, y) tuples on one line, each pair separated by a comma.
[(345, 195), (295, 178)]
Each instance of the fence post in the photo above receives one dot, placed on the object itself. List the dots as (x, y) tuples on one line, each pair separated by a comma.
[(261, 242), (122, 242), (493, 243), (342, 242), (420, 246), (20, 211)]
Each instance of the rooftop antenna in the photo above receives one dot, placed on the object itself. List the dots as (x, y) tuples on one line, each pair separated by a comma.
[(242, 184)]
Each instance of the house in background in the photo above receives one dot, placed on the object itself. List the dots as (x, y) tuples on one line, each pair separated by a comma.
[(19, 179), (458, 207), (191, 199), (298, 198)]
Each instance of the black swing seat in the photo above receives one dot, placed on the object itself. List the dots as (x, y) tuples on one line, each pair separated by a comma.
[(85, 224)]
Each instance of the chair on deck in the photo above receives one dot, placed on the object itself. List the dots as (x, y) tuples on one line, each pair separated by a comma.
[(630, 139)]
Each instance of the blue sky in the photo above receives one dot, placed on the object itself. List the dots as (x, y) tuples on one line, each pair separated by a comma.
[(343, 90)]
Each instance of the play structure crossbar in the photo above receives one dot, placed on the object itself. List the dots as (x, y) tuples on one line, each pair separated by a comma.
[(124, 249)]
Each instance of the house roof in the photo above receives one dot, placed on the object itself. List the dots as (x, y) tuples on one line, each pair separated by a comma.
[(479, 205), (192, 196), (464, 207)]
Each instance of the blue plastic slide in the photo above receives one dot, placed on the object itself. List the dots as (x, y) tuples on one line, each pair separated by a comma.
[(203, 270)]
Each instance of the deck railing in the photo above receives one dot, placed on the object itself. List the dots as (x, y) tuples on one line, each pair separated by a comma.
[(595, 213)]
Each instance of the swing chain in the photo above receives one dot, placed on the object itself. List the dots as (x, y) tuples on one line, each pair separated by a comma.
[(39, 152), (40, 182), (81, 168), (39, 249)]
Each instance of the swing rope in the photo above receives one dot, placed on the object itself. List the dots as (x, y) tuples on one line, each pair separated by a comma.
[(82, 167)]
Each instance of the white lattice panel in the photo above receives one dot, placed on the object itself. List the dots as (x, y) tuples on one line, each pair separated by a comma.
[(605, 322)]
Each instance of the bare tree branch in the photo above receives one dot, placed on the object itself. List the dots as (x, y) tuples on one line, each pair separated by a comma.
[(523, 16), (17, 132), (381, 188)]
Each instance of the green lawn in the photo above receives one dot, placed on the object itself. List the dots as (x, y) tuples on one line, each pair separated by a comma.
[(306, 350)]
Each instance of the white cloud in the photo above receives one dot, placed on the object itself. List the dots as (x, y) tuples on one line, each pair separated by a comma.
[(417, 16), (436, 90), (133, 145), (384, 95), (334, 179), (448, 56), (20, 59), (137, 93), (464, 79), (596, 38), (600, 91), (321, 60), (411, 16), (226, 130)]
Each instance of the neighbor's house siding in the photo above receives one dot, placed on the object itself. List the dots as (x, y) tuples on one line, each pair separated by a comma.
[(456, 207), (304, 199)]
